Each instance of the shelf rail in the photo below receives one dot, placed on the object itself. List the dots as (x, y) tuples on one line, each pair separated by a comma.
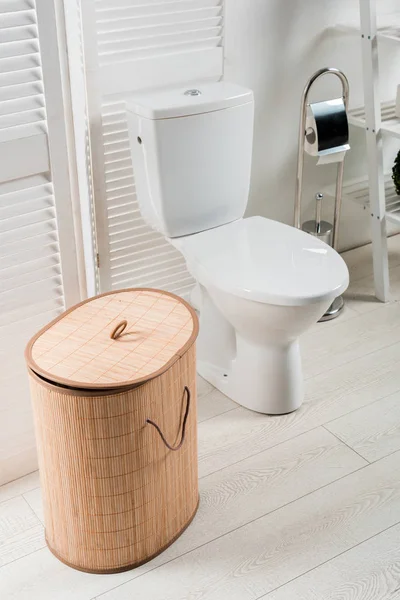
[(370, 61)]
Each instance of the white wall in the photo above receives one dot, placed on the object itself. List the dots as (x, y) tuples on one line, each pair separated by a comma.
[(273, 46)]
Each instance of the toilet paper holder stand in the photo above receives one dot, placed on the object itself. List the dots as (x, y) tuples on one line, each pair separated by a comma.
[(337, 305)]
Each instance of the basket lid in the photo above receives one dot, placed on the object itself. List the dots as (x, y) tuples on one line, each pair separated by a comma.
[(115, 340)]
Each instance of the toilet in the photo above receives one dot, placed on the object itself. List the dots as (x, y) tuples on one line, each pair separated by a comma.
[(260, 284)]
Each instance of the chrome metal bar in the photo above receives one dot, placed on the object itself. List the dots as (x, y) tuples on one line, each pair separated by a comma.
[(338, 205)]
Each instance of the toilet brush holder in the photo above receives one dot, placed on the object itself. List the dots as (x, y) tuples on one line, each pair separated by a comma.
[(323, 231), (317, 227)]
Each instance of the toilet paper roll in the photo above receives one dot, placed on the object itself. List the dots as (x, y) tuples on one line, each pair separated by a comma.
[(327, 131)]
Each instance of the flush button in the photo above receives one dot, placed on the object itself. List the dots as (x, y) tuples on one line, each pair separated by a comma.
[(193, 93)]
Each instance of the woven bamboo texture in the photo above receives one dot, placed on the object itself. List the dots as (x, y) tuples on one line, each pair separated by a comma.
[(76, 349), (114, 495)]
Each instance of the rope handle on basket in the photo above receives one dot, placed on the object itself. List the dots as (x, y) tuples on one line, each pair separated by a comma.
[(118, 330), (162, 436)]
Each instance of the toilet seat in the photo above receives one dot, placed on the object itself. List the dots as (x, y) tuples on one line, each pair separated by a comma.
[(265, 261)]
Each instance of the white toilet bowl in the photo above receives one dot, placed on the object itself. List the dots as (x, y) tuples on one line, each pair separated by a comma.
[(262, 285)]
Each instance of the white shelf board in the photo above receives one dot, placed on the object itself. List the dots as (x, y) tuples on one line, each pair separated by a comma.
[(390, 33), (357, 190), (390, 123), (385, 32)]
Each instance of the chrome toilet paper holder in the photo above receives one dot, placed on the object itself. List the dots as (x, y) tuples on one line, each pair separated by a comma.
[(338, 304)]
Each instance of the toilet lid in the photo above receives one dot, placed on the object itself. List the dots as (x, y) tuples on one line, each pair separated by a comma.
[(266, 261)]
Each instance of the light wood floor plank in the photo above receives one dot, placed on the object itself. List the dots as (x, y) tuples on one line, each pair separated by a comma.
[(346, 314), (203, 387), (212, 404), (234, 496), (21, 532), (359, 260), (254, 487), (19, 486), (241, 433), (41, 576), (371, 571), (257, 558), (360, 295), (373, 431), (347, 340), (35, 501)]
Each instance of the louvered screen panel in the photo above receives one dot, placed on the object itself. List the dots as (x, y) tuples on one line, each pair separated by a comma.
[(31, 294), (32, 290), (29, 250), (129, 32), (140, 45), (157, 42), (30, 271), (22, 112)]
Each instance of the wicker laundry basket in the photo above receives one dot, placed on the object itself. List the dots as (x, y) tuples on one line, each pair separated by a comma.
[(113, 387)]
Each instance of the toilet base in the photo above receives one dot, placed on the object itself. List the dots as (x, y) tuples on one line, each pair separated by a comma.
[(266, 379)]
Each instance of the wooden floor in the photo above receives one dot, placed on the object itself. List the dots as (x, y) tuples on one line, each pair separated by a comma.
[(304, 506)]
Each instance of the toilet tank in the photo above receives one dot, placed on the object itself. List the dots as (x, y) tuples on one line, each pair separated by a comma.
[(191, 151)]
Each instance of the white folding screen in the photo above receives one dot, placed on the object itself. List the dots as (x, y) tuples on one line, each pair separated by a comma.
[(38, 265), (131, 45)]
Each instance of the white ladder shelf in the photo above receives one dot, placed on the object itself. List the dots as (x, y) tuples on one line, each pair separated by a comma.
[(372, 122), (376, 193)]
